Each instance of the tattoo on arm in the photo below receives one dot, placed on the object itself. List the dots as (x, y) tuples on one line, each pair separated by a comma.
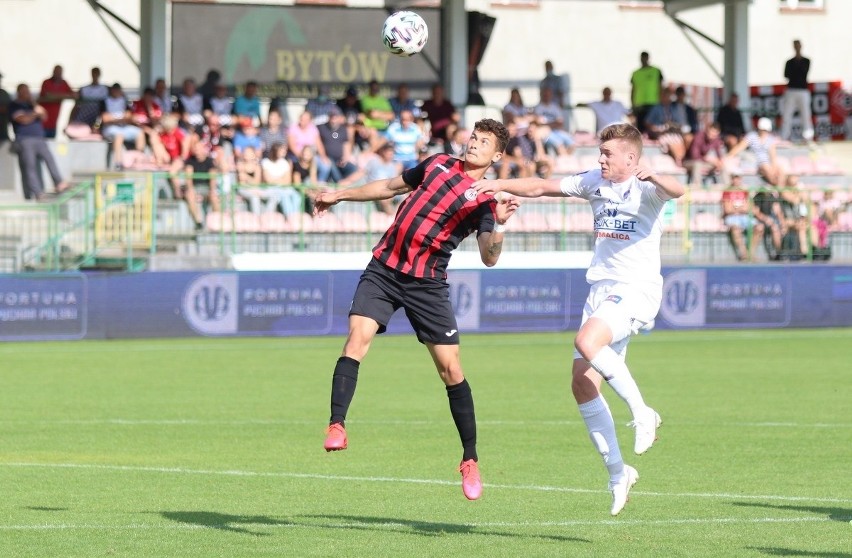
[(495, 248)]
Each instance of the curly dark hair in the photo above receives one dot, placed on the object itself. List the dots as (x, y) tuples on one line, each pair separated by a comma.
[(496, 128)]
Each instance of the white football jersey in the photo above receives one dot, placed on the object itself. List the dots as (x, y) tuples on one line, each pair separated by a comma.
[(628, 226)]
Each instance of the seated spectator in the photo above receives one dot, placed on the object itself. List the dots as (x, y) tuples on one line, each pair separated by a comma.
[(248, 104), (380, 167), (825, 218), (607, 111), (337, 144), (684, 112), (668, 126), (731, 122), (796, 206), (551, 118), (278, 178), (457, 144), (246, 136), (83, 121), (117, 125), (350, 105), (705, 159), (525, 154), (407, 140), (739, 218), (189, 104), (768, 210), (163, 96), (250, 178), (305, 175), (200, 171), (304, 133), (442, 115), (321, 105), (377, 110), (762, 145), (221, 105), (515, 110), (171, 149), (403, 101), (146, 115), (274, 132)]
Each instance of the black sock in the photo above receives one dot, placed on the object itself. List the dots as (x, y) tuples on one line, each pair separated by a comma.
[(343, 387), (461, 406)]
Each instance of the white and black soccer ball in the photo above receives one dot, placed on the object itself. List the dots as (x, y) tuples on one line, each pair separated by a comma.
[(404, 33)]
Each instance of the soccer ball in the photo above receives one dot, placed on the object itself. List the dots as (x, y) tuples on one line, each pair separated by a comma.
[(404, 33)]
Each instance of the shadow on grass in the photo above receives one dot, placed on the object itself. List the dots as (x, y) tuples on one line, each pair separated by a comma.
[(834, 514), (791, 552), (224, 521), (424, 528), (44, 508)]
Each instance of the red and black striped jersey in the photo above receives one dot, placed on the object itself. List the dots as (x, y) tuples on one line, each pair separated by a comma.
[(436, 216)]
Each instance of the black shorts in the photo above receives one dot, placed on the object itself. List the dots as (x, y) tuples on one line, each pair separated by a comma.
[(382, 291)]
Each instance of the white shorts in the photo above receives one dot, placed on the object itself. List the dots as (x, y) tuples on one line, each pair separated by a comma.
[(625, 308)]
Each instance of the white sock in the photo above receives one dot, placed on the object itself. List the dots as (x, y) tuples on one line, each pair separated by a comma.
[(613, 369), (598, 419)]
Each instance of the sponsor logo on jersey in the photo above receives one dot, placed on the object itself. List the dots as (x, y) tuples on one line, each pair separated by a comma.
[(470, 194)]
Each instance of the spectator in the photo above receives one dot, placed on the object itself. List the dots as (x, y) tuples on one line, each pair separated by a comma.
[(85, 114), (304, 133), (248, 104), (768, 210), (189, 104), (762, 144), (554, 83), (220, 104), (5, 100), (171, 149), (685, 113), (337, 144), (201, 171), (210, 80), (163, 96), (117, 124), (247, 136), (30, 144), (350, 105), (607, 111), (731, 122), (321, 105), (646, 84), (407, 139), (249, 172), (442, 116), (738, 216), (525, 154), (797, 97), (705, 158), (278, 178), (796, 206), (515, 111), (825, 219), (305, 173), (667, 126), (378, 113), (146, 115), (403, 101), (552, 120), (54, 90), (274, 132), (457, 144), (380, 167)]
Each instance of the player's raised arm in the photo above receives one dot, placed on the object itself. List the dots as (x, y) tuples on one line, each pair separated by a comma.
[(491, 243), (376, 190), (532, 187), (668, 187)]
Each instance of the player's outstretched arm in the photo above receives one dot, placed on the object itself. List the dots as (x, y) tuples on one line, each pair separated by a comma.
[(371, 191), (668, 187), (532, 187), (491, 243)]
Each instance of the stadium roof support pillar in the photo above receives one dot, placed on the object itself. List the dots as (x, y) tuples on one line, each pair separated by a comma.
[(736, 48), (454, 62), (154, 41)]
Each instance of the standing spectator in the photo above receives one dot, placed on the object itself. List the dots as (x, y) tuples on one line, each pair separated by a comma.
[(378, 113), (274, 132), (442, 115), (646, 84), (403, 101), (5, 100), (797, 97), (407, 140), (54, 90), (321, 105), (552, 119), (515, 110), (762, 144), (607, 111), (163, 95), (117, 124), (705, 158), (189, 104), (738, 216), (30, 145), (219, 104), (731, 122), (554, 83), (337, 144), (248, 104)]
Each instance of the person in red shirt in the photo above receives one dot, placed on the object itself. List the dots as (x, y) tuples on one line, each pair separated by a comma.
[(54, 90), (738, 216), (146, 114), (171, 148)]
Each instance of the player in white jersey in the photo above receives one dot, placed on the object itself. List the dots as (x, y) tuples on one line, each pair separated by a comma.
[(626, 286)]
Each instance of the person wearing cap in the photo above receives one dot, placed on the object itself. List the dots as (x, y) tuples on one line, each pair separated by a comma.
[(338, 143), (378, 112), (5, 99), (762, 144)]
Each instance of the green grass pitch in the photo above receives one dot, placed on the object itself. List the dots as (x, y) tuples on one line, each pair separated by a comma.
[(213, 447)]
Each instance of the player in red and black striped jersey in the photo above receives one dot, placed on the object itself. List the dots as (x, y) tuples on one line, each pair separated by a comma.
[(408, 271)]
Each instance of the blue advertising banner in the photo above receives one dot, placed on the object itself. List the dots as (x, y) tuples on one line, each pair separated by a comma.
[(279, 303)]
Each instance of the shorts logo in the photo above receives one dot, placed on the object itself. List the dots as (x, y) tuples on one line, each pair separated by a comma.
[(450, 333), (615, 299), (470, 194)]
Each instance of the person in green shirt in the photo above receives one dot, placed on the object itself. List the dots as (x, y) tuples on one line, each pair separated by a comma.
[(377, 109), (646, 83)]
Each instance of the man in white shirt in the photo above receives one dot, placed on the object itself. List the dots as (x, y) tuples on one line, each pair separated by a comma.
[(626, 286), (606, 110)]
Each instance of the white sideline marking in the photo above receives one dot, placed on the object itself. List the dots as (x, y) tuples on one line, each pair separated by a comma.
[(316, 476), (413, 526)]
